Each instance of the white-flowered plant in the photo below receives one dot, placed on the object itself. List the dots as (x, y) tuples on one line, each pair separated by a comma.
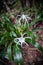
[(12, 37), (23, 18)]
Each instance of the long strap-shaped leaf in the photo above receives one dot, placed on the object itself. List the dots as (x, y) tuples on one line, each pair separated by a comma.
[(9, 26), (36, 20), (6, 36), (18, 55), (32, 41), (9, 53), (35, 44)]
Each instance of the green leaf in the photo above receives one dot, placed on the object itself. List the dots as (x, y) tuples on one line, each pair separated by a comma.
[(32, 40), (16, 41), (36, 21), (28, 40), (12, 33), (7, 23), (18, 55), (6, 36), (38, 46), (17, 31), (9, 53), (34, 43), (2, 51)]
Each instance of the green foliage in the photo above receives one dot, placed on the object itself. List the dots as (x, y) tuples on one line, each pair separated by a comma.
[(37, 19), (12, 38)]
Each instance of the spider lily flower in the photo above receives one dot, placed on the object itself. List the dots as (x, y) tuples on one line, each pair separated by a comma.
[(21, 40), (24, 17)]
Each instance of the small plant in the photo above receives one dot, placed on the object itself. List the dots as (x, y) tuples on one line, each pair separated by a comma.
[(12, 37)]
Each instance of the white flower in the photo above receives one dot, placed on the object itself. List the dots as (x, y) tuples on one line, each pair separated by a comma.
[(21, 40), (24, 17)]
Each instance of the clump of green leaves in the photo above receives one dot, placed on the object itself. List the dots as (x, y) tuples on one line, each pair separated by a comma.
[(12, 37)]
